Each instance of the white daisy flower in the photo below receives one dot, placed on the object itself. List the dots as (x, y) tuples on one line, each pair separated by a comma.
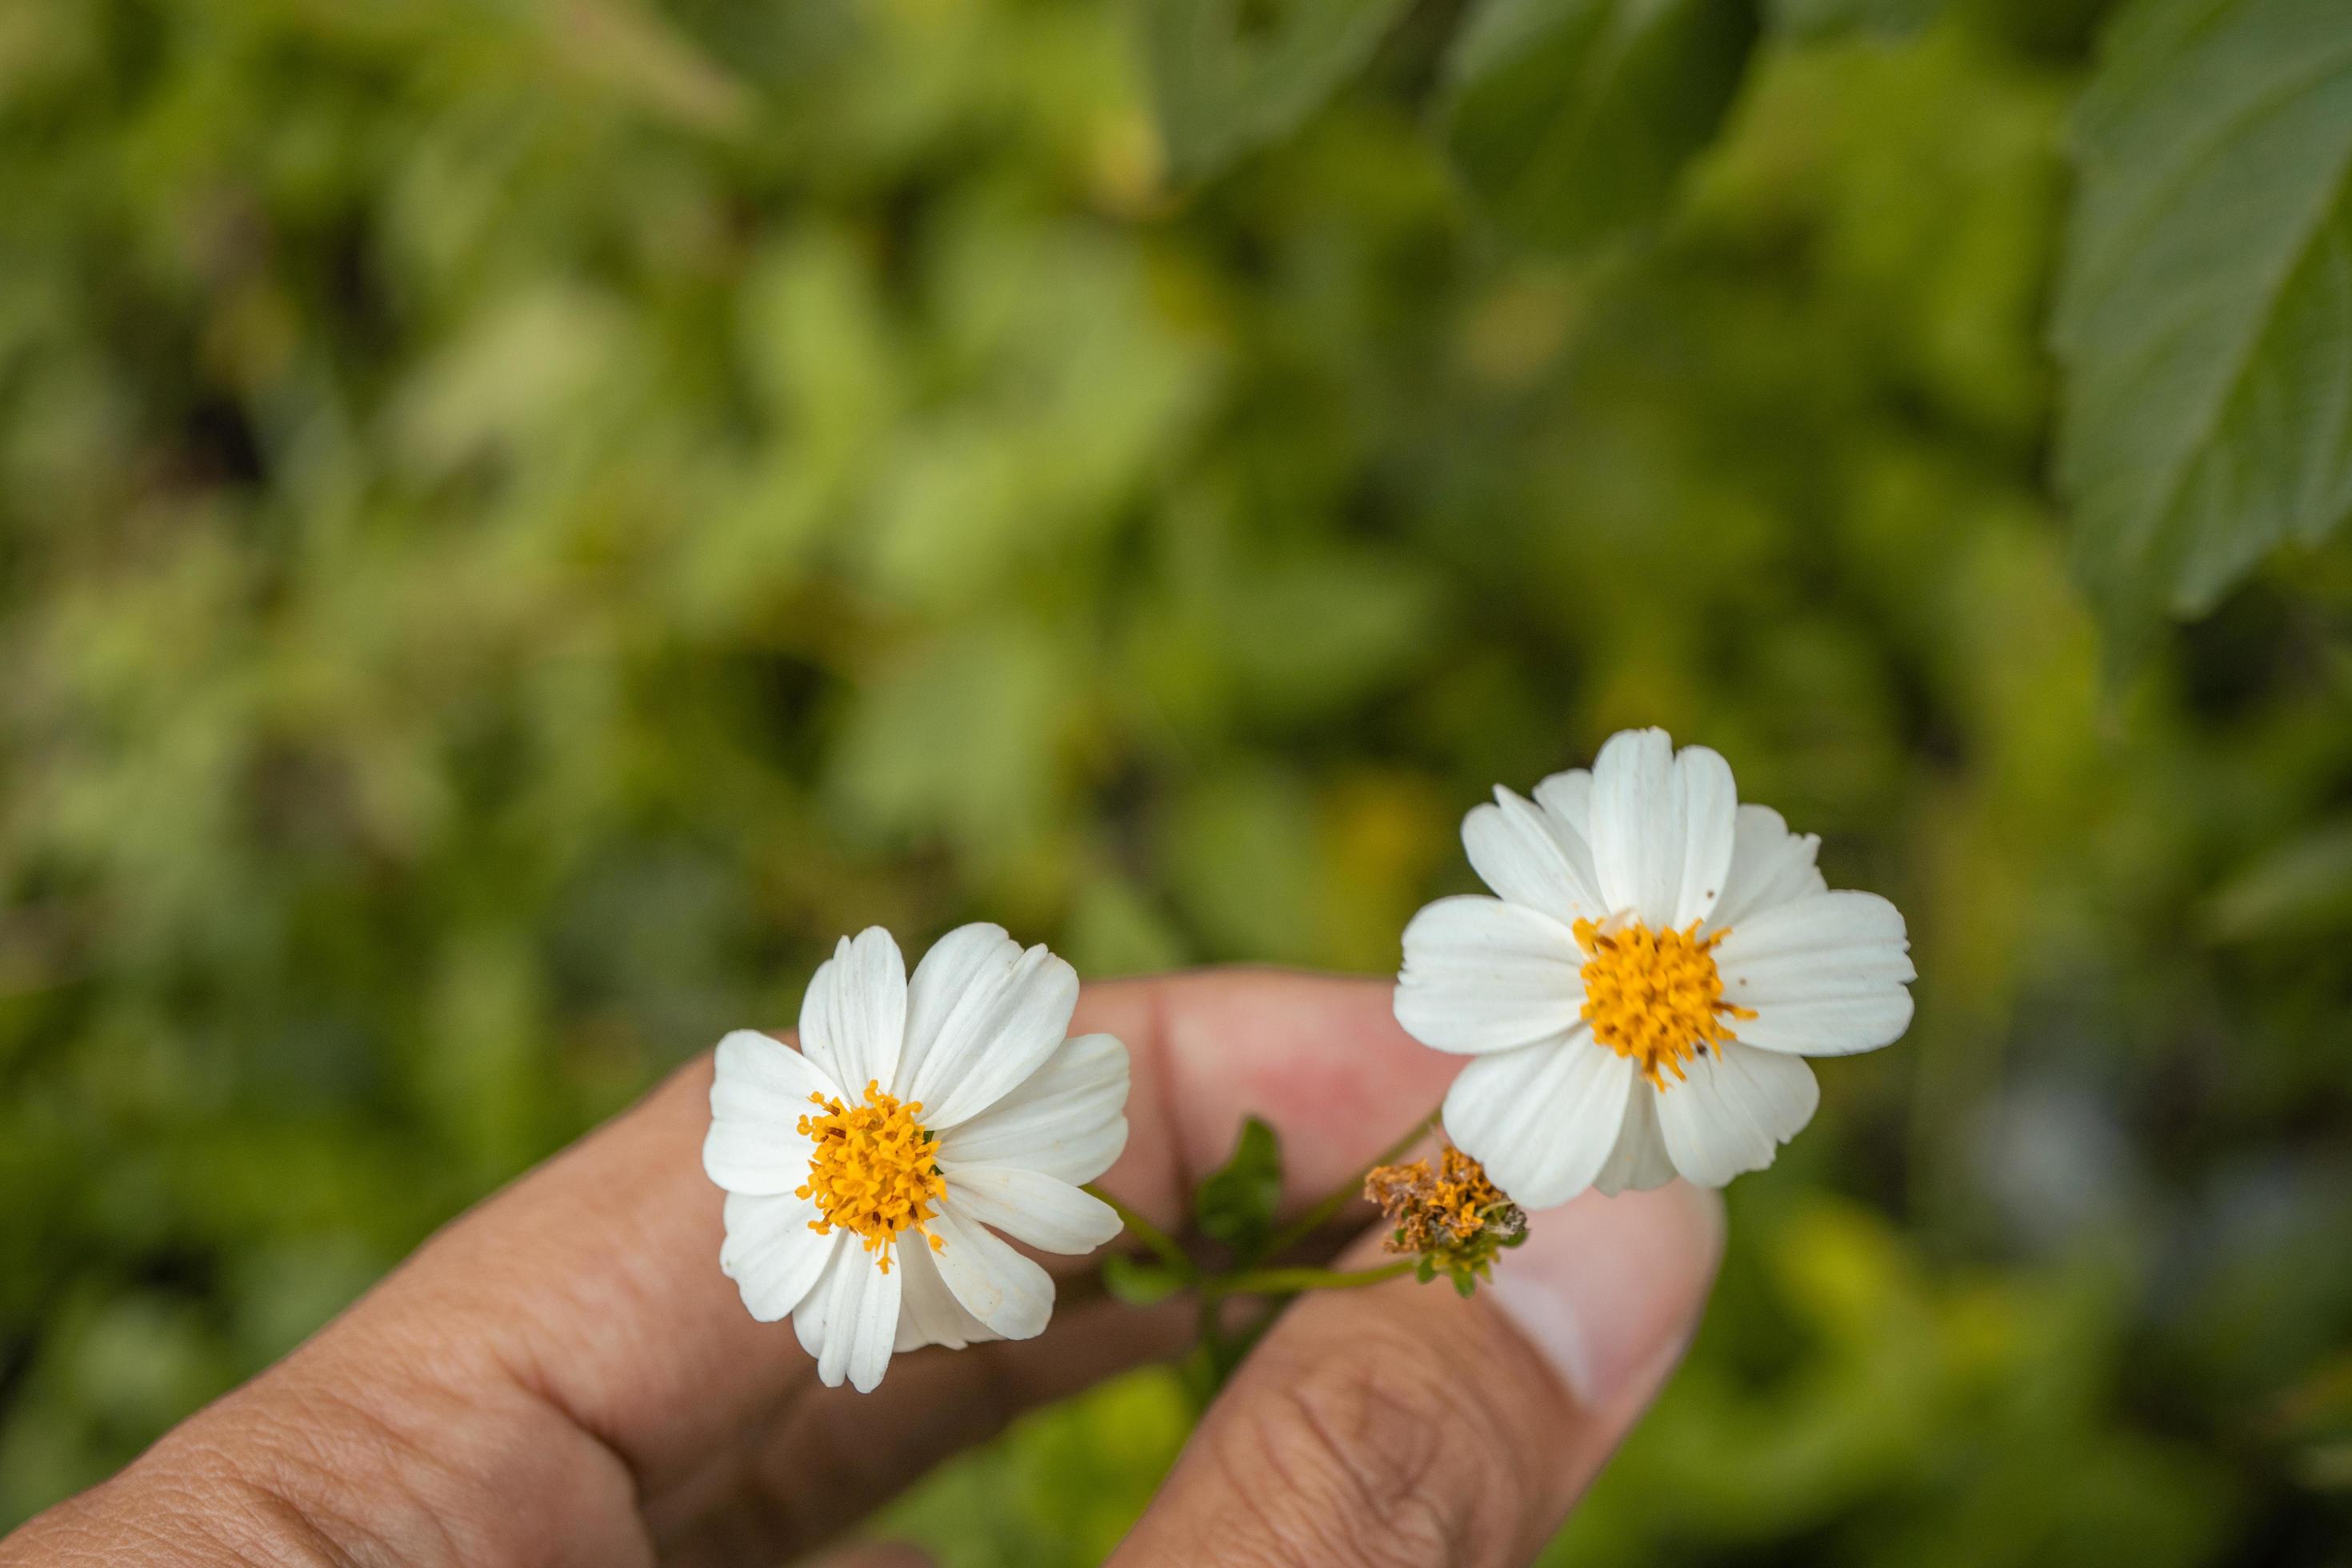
[(1639, 999), (869, 1172)]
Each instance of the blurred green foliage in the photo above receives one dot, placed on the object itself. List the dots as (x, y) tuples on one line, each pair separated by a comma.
[(520, 521)]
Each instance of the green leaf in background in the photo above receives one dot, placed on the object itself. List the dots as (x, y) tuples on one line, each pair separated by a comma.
[(2205, 310), (1236, 1201), (1572, 120), (1230, 76), (2301, 886), (1245, 847), (1812, 19), (1311, 636)]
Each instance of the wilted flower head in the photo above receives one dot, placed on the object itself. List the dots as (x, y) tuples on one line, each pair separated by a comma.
[(1453, 1219), (1640, 997), (865, 1171)]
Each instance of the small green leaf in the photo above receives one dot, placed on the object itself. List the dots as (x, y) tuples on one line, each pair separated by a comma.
[(1230, 76), (1572, 119), (1236, 1203), (2204, 313), (1138, 1282)]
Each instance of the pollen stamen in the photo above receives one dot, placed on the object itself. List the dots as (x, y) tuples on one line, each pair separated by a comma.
[(872, 1172), (1656, 996)]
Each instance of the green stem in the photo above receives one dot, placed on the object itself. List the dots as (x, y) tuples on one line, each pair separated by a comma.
[(1328, 1209), (1297, 1281), (1162, 1244)]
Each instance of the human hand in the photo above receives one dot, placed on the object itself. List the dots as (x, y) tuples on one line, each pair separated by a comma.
[(563, 1375)]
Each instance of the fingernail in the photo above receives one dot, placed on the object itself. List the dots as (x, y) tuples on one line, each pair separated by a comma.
[(1610, 1290)]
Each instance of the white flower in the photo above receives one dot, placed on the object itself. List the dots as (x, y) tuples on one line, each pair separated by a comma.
[(1638, 1000), (864, 1170)]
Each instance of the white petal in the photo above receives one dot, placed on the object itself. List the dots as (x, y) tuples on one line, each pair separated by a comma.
[(1769, 865), (1483, 975), (854, 1018), (1710, 813), (1825, 974), (929, 1313), (1008, 1292), (1831, 1027), (811, 1320), (1662, 827), (982, 1015), (760, 1089), (956, 965), (1542, 1120), (772, 1253), (1046, 1212), (1636, 840), (1733, 1112), (1640, 1160), (1067, 1121), (1566, 797), (861, 1319), (1532, 858)]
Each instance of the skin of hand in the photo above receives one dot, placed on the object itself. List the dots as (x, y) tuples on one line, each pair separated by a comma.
[(562, 1375)]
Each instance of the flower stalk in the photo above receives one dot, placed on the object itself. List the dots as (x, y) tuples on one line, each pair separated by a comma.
[(1249, 1276), (1163, 1246), (1327, 1208), (1299, 1281)]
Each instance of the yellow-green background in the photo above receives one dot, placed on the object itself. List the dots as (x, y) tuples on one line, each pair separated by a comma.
[(520, 521)]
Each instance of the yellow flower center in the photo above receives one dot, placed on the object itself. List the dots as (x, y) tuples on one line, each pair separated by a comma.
[(1655, 996), (872, 1173)]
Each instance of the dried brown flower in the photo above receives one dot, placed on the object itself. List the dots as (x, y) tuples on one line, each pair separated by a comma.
[(1453, 1219)]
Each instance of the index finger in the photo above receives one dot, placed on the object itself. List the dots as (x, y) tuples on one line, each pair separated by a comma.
[(1319, 1058)]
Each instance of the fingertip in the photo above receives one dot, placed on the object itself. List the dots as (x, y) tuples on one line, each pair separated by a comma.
[(1320, 1057), (1610, 1290)]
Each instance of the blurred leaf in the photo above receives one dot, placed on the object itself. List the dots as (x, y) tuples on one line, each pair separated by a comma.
[(476, 1075), (2325, 1467), (1061, 1490), (2204, 312), (2321, 1402), (817, 342), (1068, 387), (1383, 835), (1230, 76), (1236, 1203), (1114, 930), (1571, 121), (2302, 887), (1244, 856), (520, 374), (1815, 19), (1310, 634), (626, 49), (957, 738)]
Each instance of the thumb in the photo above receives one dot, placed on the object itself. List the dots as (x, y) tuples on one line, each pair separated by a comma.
[(1403, 1427)]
